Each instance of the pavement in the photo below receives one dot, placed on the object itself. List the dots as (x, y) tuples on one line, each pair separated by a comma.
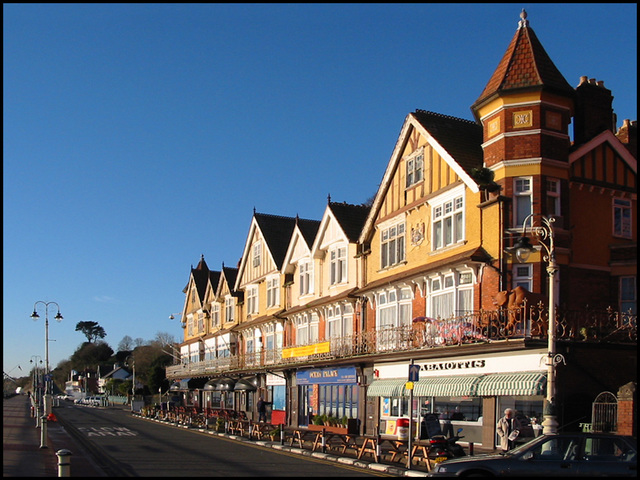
[(22, 455)]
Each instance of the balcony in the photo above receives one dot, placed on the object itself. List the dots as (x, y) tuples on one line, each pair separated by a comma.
[(484, 326)]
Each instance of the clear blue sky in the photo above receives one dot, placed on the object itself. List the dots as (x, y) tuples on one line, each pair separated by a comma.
[(138, 137)]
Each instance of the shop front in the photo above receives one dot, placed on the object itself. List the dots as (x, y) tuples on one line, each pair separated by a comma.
[(461, 392), (277, 396), (330, 392)]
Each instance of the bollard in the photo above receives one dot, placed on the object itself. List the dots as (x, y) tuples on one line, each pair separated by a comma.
[(282, 434), (470, 448), (324, 441), (64, 462), (43, 432)]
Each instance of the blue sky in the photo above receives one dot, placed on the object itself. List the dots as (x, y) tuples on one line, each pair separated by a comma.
[(138, 137)]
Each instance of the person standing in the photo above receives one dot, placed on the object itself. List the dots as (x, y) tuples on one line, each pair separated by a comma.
[(508, 428), (262, 410)]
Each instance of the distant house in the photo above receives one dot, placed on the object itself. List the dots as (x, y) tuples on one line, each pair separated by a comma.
[(118, 373)]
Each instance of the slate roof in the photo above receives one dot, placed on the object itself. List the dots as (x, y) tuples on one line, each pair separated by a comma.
[(351, 218), (201, 275), (230, 275), (525, 65), (277, 231), (462, 139), (308, 229)]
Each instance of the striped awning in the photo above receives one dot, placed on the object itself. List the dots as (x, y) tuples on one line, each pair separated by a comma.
[(449, 386), (388, 387), (525, 383)]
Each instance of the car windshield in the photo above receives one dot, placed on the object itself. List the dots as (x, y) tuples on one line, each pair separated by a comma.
[(524, 447)]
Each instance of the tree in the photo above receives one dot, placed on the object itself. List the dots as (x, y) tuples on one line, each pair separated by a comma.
[(125, 344), (91, 330), (90, 356)]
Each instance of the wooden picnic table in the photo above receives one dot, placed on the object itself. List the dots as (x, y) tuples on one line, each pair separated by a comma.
[(398, 449)]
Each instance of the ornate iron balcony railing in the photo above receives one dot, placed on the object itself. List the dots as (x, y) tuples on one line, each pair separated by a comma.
[(424, 333)]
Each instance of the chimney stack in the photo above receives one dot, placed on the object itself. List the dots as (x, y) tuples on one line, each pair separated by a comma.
[(594, 110)]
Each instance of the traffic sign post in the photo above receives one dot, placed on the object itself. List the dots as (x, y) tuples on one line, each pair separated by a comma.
[(414, 372)]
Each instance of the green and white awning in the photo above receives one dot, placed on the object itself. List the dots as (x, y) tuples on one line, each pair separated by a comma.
[(388, 387), (512, 384), (448, 386)]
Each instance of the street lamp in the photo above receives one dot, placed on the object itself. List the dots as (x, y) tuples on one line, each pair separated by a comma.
[(522, 249), (36, 398), (133, 386), (58, 317)]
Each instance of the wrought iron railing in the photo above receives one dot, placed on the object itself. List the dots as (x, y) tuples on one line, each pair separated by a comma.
[(481, 326)]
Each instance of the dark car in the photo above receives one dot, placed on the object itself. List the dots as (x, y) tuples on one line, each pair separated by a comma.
[(560, 455)]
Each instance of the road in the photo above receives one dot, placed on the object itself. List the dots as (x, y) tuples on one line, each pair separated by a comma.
[(124, 445)]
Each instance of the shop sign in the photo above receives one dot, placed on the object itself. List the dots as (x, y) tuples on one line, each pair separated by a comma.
[(306, 350), (326, 375)]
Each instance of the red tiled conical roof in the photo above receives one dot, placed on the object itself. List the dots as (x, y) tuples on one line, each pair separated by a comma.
[(525, 64)]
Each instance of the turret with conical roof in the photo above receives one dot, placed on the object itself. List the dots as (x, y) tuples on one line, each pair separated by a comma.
[(527, 105)]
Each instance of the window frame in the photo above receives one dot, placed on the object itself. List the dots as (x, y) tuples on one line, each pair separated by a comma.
[(273, 291), (305, 276), (633, 300), (215, 315), (414, 168), (256, 254), (338, 265), (393, 237), (448, 220), (229, 308), (522, 195), (622, 217), (450, 287), (553, 197), (252, 299)]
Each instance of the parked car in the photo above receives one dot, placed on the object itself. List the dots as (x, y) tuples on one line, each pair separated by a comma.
[(560, 455)]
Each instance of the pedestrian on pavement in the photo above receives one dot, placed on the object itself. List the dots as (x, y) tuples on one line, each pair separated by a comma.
[(262, 410), (508, 428)]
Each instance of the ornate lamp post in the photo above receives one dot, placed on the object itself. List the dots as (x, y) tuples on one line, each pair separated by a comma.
[(133, 386), (37, 397), (48, 381), (522, 248)]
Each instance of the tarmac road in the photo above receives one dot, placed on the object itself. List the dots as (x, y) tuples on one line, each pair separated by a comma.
[(124, 445)]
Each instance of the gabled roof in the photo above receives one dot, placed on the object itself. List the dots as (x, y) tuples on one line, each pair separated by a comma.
[(305, 231), (308, 229), (276, 231), (112, 372), (525, 65), (214, 280), (228, 276), (461, 138), (457, 141), (349, 218), (606, 137)]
